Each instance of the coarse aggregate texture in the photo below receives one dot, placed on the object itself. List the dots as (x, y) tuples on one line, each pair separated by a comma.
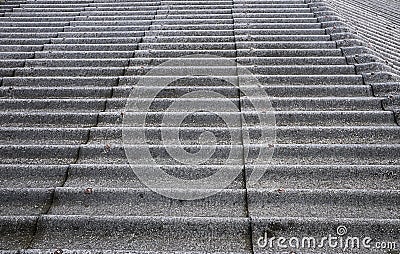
[(68, 68)]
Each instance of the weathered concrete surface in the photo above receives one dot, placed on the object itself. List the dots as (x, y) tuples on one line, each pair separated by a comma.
[(68, 67), (377, 22)]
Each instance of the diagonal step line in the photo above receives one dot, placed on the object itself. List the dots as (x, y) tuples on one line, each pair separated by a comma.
[(67, 172), (244, 171)]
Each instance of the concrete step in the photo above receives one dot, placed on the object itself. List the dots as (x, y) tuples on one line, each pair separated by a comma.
[(59, 82), (302, 70), (190, 135), (208, 104), (100, 34), (181, 70), (33, 24), (189, 32), (313, 80), (150, 53), (20, 48), (119, 231), (288, 31), (55, 92), (25, 201), (132, 13), (283, 118), (49, 136), (239, 26), (237, 10), (37, 119), (59, 2), (386, 89), (144, 202), (188, 39), (261, 61), (123, 176), (323, 135), (112, 23), (246, 61), (25, 41), (210, 22), (379, 204), (199, 11), (282, 45), (221, 14), (79, 63), (284, 154), (217, 6), (187, 46), (122, 8), (90, 47), (376, 31), (39, 154), (114, 17), (41, 29), (317, 91), (267, 4), (40, 105), (42, 14), (109, 40), (284, 38), (18, 231), (326, 177), (28, 35), (263, 26), (125, 3), (30, 10), (284, 134), (260, 20), (266, 80), (128, 28), (263, 15), (69, 72), (6, 72), (30, 5), (85, 54), (32, 176), (12, 63), (305, 52), (192, 27)]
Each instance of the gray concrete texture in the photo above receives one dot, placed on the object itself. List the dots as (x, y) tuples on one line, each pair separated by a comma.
[(68, 69)]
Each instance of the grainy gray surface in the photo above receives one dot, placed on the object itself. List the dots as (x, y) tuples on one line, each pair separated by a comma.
[(377, 22), (67, 69)]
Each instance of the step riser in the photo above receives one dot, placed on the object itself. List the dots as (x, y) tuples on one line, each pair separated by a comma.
[(229, 231)]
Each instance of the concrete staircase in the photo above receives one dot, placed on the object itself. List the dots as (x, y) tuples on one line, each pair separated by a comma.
[(69, 67), (377, 23)]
